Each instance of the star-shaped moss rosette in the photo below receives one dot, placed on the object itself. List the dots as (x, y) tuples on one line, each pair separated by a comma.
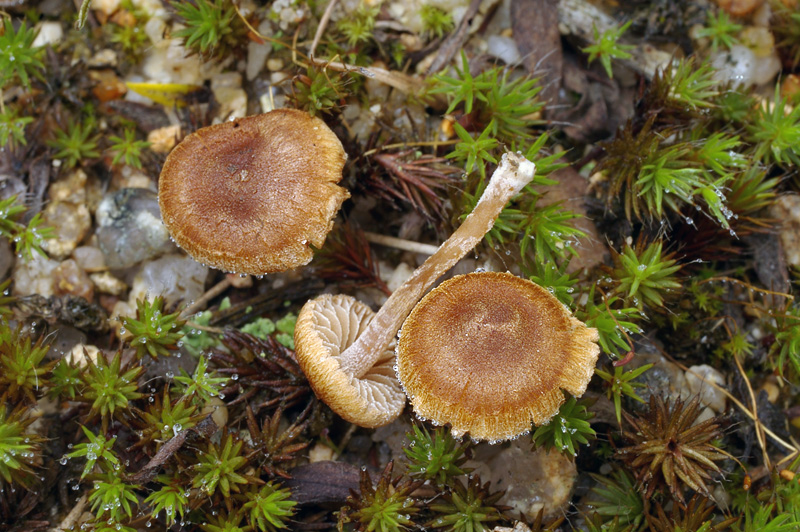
[(153, 332), (386, 506), (667, 449), (18, 448)]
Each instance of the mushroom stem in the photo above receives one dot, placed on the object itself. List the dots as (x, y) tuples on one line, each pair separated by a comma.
[(513, 173), (400, 243)]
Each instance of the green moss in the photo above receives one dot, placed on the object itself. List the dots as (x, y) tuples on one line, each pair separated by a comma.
[(18, 448), (260, 328), (213, 28), (435, 22), (607, 47), (357, 27), (75, 143), (19, 59), (435, 455), (27, 237), (153, 332), (23, 371), (568, 429)]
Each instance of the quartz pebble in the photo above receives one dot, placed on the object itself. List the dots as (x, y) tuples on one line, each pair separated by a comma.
[(178, 278), (742, 66), (67, 214), (275, 64), (172, 365), (503, 48), (288, 13), (155, 28), (89, 258), (81, 354), (771, 389), (34, 275), (70, 221), (276, 78), (163, 139), (105, 283), (69, 278), (654, 59), (698, 379), (107, 7), (129, 228), (71, 188), (533, 480), (787, 209), (320, 453), (50, 32), (257, 53), (129, 177), (105, 58), (758, 39), (232, 103), (394, 436), (704, 415), (218, 411), (169, 62), (230, 80)]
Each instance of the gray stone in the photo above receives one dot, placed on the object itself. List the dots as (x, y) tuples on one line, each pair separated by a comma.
[(129, 228), (178, 278)]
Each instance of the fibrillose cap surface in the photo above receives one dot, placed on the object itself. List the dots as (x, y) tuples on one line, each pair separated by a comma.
[(252, 195), (489, 353), (326, 327)]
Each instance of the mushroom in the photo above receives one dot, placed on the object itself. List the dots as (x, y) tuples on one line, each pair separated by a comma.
[(489, 353), (347, 352), (252, 195)]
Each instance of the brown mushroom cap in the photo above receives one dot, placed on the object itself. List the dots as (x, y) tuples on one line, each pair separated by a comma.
[(252, 195), (490, 352), (326, 327)]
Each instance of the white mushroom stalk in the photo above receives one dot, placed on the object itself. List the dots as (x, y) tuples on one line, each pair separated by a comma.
[(513, 173)]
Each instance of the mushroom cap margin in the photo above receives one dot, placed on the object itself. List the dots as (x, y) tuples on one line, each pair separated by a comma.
[(325, 327)]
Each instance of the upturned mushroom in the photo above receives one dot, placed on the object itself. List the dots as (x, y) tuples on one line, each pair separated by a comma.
[(253, 195), (489, 353), (347, 351)]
